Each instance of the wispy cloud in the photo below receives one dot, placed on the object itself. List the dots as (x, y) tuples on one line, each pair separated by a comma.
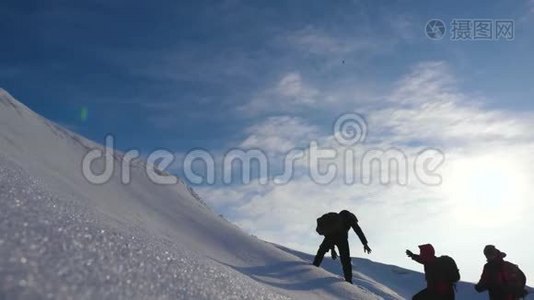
[(427, 82), (292, 87), (427, 106), (317, 41), (291, 93), (279, 134)]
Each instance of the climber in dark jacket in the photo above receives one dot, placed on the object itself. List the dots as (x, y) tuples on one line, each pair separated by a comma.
[(339, 237), (494, 274), (438, 285)]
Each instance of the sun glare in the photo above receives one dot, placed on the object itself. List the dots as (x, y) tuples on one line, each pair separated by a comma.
[(486, 188)]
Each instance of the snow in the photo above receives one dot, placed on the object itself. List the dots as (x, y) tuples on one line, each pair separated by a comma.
[(62, 237), (54, 249)]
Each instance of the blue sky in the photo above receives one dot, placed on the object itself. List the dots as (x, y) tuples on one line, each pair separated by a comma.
[(180, 69), (273, 75)]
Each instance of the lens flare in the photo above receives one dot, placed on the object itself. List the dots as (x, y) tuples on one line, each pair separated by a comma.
[(84, 114)]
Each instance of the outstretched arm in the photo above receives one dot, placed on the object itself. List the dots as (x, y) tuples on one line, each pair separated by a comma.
[(354, 224), (415, 257), (359, 232)]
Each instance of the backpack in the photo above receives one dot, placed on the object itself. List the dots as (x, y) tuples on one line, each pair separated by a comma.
[(449, 269), (329, 223), (513, 279)]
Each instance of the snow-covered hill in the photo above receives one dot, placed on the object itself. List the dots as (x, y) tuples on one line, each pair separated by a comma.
[(62, 237)]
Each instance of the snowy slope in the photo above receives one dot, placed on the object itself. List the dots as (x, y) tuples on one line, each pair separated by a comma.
[(64, 238)]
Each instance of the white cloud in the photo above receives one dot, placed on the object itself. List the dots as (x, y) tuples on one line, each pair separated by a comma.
[(292, 93), (319, 42), (428, 107), (289, 94), (278, 134), (427, 82), (292, 87), (324, 43)]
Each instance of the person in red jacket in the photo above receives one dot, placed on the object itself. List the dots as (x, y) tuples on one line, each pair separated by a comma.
[(440, 285), (502, 280)]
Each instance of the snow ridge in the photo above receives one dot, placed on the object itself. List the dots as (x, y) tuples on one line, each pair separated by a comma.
[(6, 99)]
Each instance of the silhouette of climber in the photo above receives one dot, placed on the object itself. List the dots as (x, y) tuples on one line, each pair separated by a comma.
[(441, 273), (502, 279), (335, 228)]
